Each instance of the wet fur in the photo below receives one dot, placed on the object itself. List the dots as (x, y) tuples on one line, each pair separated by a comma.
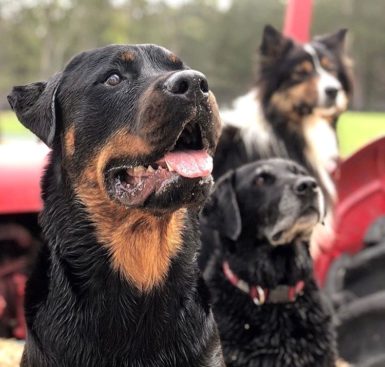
[(93, 299), (297, 334)]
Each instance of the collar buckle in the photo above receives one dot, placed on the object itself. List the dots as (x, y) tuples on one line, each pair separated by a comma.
[(258, 295)]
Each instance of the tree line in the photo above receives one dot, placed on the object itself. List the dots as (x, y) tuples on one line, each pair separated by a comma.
[(39, 37)]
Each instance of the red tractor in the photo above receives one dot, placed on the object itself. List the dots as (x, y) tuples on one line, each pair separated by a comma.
[(21, 165)]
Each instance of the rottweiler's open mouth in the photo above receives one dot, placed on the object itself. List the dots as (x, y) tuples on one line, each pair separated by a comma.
[(187, 160)]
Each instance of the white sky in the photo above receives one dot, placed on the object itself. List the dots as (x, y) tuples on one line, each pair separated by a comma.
[(223, 4)]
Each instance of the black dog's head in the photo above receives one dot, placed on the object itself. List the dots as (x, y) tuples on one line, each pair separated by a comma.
[(271, 202), (133, 125), (297, 80)]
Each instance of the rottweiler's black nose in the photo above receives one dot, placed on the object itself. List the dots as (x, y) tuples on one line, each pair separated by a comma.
[(305, 186), (190, 84)]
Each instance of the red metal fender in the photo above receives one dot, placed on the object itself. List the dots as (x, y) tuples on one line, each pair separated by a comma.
[(361, 200), (21, 167)]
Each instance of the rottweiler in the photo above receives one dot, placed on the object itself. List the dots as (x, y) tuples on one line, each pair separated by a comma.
[(267, 305), (132, 131)]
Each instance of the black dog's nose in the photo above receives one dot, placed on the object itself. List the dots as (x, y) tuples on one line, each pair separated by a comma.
[(305, 186), (188, 83), (331, 92)]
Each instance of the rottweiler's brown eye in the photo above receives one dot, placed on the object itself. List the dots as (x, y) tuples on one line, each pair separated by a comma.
[(264, 178), (113, 80)]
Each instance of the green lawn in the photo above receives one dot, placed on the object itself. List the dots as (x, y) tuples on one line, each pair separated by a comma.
[(354, 129), (11, 127)]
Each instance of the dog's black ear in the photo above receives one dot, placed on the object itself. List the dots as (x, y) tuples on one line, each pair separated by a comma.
[(274, 43), (35, 108), (221, 212), (334, 41)]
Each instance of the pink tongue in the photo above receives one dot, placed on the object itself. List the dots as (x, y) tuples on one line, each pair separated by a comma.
[(190, 163)]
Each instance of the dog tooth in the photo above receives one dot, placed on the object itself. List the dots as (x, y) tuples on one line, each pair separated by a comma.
[(150, 169), (169, 167), (140, 168)]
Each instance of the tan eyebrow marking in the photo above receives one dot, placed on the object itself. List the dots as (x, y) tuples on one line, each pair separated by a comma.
[(326, 63), (128, 56), (305, 66), (173, 58)]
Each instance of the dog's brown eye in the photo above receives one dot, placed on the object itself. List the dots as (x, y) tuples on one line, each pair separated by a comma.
[(264, 178), (113, 80)]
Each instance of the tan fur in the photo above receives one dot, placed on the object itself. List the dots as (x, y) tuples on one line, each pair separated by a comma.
[(141, 244), (69, 142), (286, 100), (127, 56), (326, 63), (304, 67), (215, 116), (342, 363), (173, 58)]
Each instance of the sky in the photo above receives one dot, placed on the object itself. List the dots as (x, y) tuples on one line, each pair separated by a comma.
[(223, 4)]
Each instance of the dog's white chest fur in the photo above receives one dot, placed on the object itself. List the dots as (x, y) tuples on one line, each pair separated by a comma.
[(247, 115), (322, 148)]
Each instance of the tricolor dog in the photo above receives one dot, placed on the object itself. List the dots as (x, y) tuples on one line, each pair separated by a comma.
[(292, 112)]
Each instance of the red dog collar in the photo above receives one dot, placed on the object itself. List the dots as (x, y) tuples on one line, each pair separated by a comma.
[(259, 295)]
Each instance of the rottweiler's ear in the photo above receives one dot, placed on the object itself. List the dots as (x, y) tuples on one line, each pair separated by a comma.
[(34, 105), (274, 43), (334, 41), (221, 212)]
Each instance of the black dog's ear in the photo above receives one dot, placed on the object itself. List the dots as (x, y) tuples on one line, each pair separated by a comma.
[(221, 212), (334, 41), (34, 105), (274, 43)]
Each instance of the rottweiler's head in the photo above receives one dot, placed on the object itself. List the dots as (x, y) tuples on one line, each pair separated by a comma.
[(272, 202), (298, 80), (132, 124)]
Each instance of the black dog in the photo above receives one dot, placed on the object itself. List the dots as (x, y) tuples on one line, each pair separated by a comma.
[(132, 130), (266, 303), (292, 112)]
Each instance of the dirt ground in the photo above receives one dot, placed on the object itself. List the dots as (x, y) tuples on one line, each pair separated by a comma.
[(10, 352)]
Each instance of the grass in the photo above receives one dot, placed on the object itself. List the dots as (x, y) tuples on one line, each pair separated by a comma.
[(355, 129), (11, 127)]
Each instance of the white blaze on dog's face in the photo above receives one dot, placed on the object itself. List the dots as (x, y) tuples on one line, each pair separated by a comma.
[(331, 95)]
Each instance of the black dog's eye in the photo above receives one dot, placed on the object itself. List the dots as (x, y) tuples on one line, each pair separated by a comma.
[(264, 178), (113, 79)]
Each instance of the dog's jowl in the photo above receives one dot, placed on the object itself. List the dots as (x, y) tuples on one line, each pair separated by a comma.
[(267, 305), (132, 131)]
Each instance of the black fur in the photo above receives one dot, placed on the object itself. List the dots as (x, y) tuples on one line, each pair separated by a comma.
[(297, 334), (80, 311)]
